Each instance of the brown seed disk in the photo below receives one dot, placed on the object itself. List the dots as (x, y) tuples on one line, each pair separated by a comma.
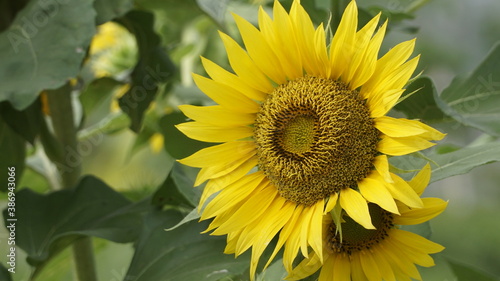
[(314, 137)]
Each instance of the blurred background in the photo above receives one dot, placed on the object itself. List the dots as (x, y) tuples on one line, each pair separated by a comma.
[(453, 38)]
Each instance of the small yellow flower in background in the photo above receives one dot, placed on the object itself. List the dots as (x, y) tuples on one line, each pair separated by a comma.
[(387, 253), (156, 142), (303, 129), (113, 49)]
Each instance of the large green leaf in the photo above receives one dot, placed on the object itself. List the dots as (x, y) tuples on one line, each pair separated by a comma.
[(110, 9), (467, 273), (13, 151), (463, 160), (4, 274), (46, 223), (154, 67), (419, 101), (25, 122), (475, 100), (43, 48), (180, 254), (178, 188), (453, 163)]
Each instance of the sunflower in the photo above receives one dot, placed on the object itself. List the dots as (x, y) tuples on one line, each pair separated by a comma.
[(385, 253), (301, 126)]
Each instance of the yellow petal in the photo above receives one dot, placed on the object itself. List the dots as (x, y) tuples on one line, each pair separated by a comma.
[(226, 96), (359, 49), (381, 164), (416, 241), (369, 60), (398, 127), (370, 267), (421, 180), (210, 133), (386, 65), (415, 255), (215, 171), (342, 268), (284, 235), (232, 194), (232, 81), (356, 207), (356, 269), (217, 115), (260, 52), (286, 46), (250, 210), (402, 267), (402, 146), (375, 191), (432, 208), (383, 266), (401, 127), (314, 234), (243, 65), (378, 106), (332, 201), (306, 267), (328, 269), (342, 45), (219, 154), (401, 191), (216, 184)]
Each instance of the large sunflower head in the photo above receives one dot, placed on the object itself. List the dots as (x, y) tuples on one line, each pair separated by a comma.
[(302, 128), (385, 253)]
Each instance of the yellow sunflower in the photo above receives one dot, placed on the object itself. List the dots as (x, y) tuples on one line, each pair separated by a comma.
[(302, 126), (386, 253)]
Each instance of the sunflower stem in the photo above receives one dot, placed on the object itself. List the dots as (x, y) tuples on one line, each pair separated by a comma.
[(69, 164)]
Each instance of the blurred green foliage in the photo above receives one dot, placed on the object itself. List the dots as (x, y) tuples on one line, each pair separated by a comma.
[(125, 90)]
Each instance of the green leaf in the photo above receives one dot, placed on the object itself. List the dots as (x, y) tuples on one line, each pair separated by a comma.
[(466, 272), (47, 223), (110, 9), (4, 273), (463, 160), (13, 151), (41, 50), (180, 254), (216, 9), (191, 216), (97, 92), (453, 163), (26, 122), (178, 188), (475, 100), (421, 104), (276, 271), (177, 144), (154, 66)]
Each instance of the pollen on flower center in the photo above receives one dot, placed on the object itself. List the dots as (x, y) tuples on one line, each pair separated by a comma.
[(355, 237), (314, 137)]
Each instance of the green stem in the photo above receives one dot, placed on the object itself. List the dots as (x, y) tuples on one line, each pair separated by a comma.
[(69, 165), (83, 254)]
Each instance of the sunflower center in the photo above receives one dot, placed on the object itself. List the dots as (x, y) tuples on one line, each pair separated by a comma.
[(355, 237), (314, 137), (298, 134)]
